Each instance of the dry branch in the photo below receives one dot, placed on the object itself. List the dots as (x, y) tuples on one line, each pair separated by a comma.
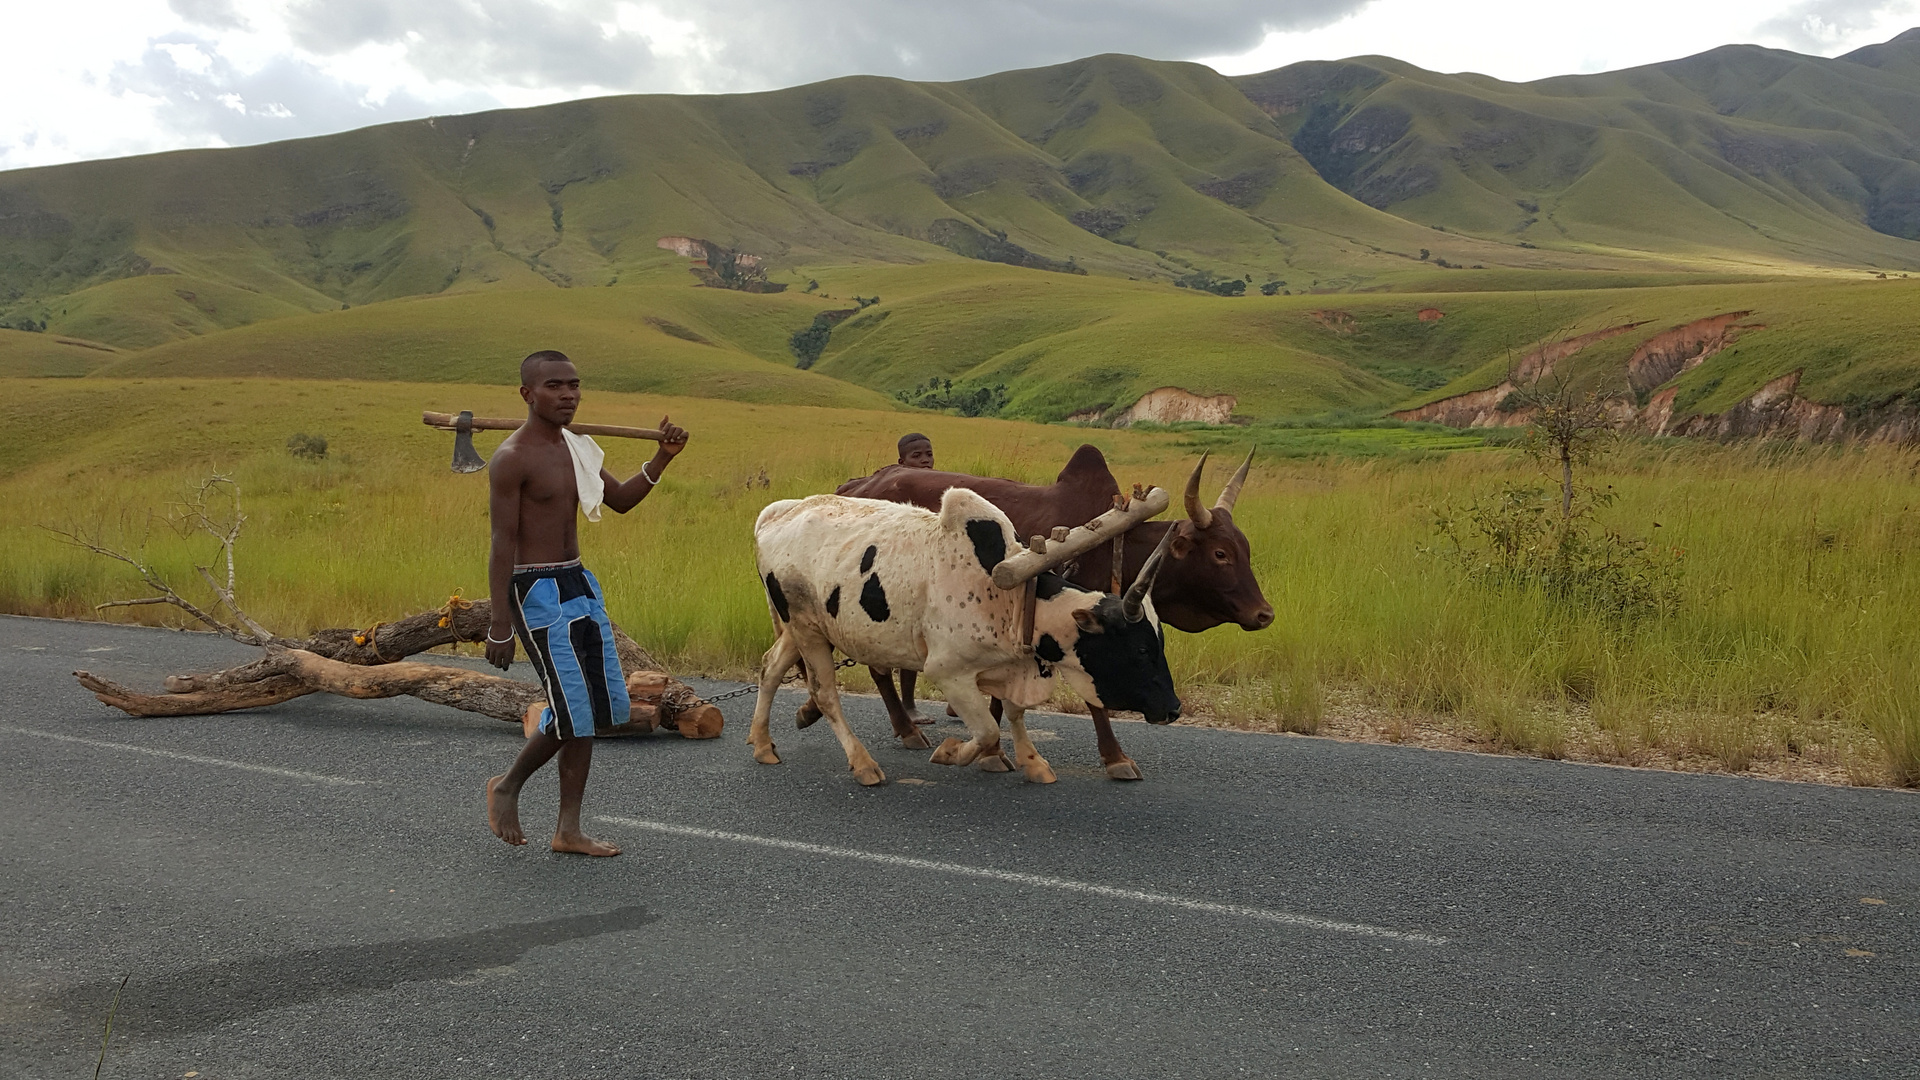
[(268, 690)]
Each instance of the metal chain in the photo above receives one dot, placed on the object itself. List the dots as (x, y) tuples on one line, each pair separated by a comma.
[(751, 688)]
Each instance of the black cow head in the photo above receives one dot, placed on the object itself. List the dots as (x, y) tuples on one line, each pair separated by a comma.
[(1125, 660), (1118, 651)]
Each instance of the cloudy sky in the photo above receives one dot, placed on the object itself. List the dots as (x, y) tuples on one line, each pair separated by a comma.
[(101, 78)]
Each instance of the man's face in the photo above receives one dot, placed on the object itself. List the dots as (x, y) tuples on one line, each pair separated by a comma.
[(918, 455), (554, 393)]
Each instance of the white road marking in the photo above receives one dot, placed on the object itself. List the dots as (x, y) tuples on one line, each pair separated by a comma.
[(198, 759), (1284, 918)]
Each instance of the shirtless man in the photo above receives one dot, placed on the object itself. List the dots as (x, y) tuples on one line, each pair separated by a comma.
[(545, 598)]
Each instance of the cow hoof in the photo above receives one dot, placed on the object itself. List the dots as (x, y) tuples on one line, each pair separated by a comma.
[(806, 715), (995, 762), (870, 776), (948, 751), (765, 755), (1039, 772), (914, 740), (1124, 769)]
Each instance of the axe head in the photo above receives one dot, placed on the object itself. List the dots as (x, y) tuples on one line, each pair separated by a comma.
[(465, 458)]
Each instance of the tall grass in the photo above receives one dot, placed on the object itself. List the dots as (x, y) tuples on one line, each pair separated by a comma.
[(1792, 635)]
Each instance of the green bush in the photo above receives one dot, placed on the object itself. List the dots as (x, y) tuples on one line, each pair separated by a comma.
[(1205, 281), (1513, 539), (307, 447), (940, 394)]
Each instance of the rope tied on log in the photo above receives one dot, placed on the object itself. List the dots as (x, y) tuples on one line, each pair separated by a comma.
[(455, 603), (372, 637)]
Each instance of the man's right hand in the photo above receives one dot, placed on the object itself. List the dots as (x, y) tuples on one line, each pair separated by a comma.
[(500, 653)]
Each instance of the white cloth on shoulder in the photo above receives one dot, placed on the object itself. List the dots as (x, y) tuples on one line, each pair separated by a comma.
[(587, 457)]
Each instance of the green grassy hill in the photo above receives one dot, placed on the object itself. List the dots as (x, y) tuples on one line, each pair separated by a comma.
[(1025, 231), (35, 355), (677, 340), (1066, 345), (1327, 176), (1738, 154)]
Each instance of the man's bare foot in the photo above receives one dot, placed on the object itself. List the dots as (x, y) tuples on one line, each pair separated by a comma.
[(503, 813), (582, 844)]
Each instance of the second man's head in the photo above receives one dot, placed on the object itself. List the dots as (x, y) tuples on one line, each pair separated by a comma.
[(916, 451)]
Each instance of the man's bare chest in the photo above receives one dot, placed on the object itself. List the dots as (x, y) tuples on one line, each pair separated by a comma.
[(550, 479)]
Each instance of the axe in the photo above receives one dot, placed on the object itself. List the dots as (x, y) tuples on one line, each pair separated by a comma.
[(466, 459)]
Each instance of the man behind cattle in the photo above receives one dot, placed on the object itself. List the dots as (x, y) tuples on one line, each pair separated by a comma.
[(542, 595), (916, 452)]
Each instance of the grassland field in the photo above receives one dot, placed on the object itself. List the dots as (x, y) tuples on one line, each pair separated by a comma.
[(1060, 344), (1791, 642)]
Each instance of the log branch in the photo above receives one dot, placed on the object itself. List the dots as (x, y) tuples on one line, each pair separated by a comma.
[(252, 695)]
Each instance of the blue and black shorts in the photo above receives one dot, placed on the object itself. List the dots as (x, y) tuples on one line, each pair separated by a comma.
[(562, 623)]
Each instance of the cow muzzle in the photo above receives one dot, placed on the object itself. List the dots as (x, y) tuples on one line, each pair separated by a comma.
[(1259, 620), (1163, 718)]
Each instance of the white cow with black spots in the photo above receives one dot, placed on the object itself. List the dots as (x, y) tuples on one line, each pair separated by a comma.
[(895, 586)]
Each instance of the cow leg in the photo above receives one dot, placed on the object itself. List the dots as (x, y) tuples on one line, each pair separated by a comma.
[(773, 667), (984, 747), (903, 729), (808, 712), (1031, 763), (826, 692), (907, 679), (1119, 765)]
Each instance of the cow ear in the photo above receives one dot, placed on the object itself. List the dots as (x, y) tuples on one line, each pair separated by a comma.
[(1089, 623), (1180, 547)]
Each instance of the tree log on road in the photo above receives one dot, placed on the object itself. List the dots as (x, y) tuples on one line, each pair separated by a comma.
[(369, 664)]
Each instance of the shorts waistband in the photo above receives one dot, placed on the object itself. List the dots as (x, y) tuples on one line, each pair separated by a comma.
[(533, 568)]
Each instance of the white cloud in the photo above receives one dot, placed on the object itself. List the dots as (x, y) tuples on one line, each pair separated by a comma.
[(117, 77), (1522, 40)]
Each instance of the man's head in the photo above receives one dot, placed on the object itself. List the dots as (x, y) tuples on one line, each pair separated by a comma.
[(550, 386), (916, 451)]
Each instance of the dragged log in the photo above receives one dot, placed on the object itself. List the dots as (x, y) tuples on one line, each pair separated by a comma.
[(371, 663)]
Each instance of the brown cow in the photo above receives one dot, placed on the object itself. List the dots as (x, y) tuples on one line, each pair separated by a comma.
[(1207, 581)]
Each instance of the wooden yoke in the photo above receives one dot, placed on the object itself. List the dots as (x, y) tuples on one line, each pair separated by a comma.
[(1022, 566), (1029, 596)]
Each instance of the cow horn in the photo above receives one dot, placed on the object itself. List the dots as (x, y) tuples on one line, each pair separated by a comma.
[(1135, 602), (1200, 515), (1231, 493)]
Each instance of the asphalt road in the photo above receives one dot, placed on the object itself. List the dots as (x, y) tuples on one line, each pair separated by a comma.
[(311, 891)]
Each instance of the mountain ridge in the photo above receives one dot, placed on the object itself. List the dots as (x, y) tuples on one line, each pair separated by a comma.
[(1111, 164)]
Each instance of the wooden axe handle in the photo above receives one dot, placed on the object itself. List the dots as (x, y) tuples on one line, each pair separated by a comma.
[(446, 422)]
